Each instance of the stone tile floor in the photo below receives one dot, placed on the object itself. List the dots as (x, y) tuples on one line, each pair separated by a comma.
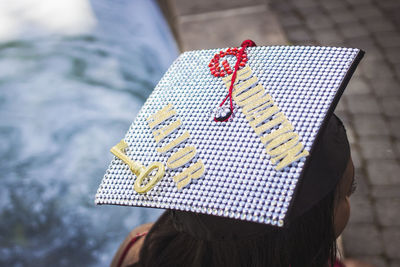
[(370, 107)]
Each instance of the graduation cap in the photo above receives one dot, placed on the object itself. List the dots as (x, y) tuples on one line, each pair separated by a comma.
[(230, 132)]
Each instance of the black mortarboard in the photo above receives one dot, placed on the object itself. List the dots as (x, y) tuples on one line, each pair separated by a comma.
[(247, 158)]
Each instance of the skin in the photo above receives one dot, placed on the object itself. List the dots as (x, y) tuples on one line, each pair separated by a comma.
[(341, 217), (342, 209), (133, 254), (342, 203)]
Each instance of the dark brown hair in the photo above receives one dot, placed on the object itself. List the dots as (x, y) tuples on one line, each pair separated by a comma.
[(308, 241)]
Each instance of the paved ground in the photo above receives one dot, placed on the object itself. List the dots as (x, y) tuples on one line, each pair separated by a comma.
[(370, 106), (370, 109)]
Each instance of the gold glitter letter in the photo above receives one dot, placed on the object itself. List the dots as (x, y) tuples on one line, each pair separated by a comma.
[(290, 156), (174, 142), (181, 157), (164, 114), (261, 115), (195, 171), (153, 179), (160, 134)]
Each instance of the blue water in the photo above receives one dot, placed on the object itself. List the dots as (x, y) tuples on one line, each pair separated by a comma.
[(65, 100)]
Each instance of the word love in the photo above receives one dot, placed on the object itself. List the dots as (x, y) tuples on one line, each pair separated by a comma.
[(263, 115)]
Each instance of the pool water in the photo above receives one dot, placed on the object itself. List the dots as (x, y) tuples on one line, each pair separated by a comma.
[(69, 90)]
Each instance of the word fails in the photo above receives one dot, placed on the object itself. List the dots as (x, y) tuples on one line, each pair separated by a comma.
[(183, 156), (275, 130)]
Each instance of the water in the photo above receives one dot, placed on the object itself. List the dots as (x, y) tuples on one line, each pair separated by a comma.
[(69, 89)]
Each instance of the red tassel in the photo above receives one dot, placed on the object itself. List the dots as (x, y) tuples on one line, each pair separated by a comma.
[(245, 44)]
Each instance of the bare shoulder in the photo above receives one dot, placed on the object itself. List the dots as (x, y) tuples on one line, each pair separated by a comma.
[(133, 254), (356, 263), (141, 229)]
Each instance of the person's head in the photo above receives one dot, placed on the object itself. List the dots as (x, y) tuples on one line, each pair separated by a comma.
[(190, 239)]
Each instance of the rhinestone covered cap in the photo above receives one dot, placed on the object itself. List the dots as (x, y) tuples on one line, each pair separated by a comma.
[(239, 180)]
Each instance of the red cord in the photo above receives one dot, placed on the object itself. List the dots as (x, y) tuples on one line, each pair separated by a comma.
[(245, 44), (130, 244)]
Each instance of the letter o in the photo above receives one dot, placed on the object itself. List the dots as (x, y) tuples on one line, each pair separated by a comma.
[(160, 173)]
